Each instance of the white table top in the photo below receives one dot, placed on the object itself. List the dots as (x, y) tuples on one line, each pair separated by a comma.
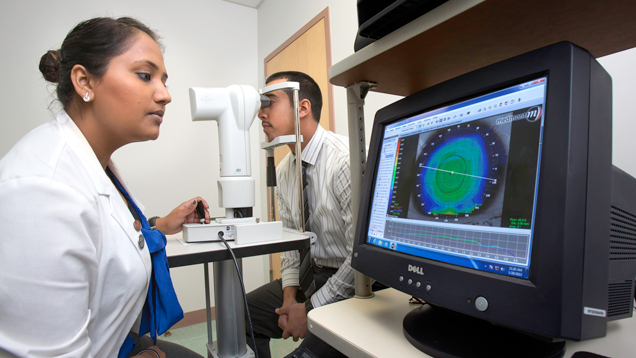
[(181, 253), (373, 328)]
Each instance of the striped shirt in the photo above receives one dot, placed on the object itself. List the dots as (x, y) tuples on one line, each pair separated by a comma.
[(329, 188)]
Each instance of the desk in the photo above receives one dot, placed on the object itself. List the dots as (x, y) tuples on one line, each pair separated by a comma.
[(230, 321), (180, 254), (373, 328)]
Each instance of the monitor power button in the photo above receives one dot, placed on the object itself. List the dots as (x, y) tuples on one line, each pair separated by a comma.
[(481, 304)]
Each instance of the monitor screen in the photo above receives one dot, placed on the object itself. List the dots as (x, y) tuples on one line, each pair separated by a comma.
[(458, 184)]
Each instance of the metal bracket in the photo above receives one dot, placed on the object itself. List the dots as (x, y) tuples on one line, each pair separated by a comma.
[(358, 151)]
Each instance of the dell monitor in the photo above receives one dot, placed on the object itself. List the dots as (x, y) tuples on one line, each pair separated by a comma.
[(493, 198)]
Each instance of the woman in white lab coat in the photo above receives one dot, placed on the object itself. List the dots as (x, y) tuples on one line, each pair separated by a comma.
[(75, 269)]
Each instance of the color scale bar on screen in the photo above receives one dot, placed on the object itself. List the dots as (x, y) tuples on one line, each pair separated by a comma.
[(397, 158)]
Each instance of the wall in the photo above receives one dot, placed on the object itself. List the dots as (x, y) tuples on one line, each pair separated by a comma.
[(208, 43), (621, 67)]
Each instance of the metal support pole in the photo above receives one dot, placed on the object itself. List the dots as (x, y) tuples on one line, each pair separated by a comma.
[(230, 321), (357, 148), (299, 163), (208, 318)]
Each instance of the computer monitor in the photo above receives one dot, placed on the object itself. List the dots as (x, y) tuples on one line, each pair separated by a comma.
[(492, 197)]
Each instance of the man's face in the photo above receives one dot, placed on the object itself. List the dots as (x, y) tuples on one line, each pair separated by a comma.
[(278, 118)]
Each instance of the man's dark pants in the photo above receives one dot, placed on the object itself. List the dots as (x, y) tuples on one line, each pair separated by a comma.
[(264, 300)]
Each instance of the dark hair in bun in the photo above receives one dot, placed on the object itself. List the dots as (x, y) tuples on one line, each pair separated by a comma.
[(50, 65), (92, 44)]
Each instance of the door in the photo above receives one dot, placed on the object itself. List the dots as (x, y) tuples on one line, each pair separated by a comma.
[(308, 51)]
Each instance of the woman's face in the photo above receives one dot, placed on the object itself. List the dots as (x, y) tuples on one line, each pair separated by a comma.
[(131, 97)]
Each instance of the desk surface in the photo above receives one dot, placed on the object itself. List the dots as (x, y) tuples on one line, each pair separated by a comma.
[(464, 35), (373, 328), (183, 254)]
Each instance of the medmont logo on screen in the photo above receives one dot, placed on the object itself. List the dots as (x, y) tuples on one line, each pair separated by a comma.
[(531, 114), (417, 270)]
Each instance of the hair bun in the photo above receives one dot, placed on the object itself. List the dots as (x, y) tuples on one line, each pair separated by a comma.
[(50, 65)]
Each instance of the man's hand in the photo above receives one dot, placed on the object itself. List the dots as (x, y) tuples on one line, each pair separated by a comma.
[(289, 298), (182, 214), (296, 320)]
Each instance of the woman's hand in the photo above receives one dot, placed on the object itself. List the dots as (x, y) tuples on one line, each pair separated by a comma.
[(182, 214)]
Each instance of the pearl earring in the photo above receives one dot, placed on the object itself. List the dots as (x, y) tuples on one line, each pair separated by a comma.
[(86, 97)]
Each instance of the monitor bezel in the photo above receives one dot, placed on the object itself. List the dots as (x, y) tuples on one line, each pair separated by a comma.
[(556, 289)]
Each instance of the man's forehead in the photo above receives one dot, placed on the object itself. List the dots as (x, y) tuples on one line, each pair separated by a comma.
[(278, 93), (278, 80)]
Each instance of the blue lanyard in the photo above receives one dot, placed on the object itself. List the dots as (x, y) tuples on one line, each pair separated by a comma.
[(161, 310)]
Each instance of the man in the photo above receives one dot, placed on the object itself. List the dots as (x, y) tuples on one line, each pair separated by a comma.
[(279, 308)]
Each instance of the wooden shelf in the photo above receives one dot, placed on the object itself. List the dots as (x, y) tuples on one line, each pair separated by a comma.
[(486, 33)]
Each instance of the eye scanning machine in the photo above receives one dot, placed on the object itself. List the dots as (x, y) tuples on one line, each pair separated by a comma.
[(234, 108)]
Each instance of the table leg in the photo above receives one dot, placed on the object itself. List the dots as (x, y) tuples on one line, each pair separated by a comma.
[(230, 318), (206, 275)]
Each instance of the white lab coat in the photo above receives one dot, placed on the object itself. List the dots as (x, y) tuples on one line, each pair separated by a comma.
[(73, 278)]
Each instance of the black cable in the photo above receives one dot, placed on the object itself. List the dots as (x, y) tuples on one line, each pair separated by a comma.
[(238, 272)]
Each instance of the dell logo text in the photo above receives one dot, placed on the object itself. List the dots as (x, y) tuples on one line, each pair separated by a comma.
[(417, 270)]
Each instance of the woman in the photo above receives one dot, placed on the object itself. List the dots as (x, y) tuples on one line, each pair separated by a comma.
[(78, 259)]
